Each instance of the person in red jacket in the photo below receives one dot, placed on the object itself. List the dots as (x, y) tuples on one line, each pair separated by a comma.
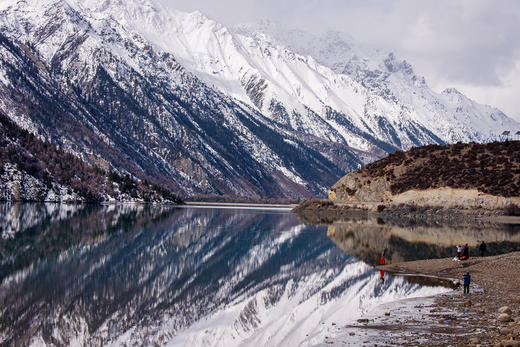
[(382, 262)]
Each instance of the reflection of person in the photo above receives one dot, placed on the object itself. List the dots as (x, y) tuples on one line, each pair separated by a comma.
[(482, 248), (382, 262), (467, 280)]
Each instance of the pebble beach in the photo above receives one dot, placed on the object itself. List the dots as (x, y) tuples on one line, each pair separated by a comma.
[(488, 316)]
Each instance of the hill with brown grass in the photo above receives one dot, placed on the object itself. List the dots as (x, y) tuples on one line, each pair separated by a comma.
[(459, 175)]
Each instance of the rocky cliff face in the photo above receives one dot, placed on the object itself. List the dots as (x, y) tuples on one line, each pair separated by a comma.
[(468, 176), (357, 189)]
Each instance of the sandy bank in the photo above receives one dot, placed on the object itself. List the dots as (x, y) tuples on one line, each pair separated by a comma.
[(469, 319)]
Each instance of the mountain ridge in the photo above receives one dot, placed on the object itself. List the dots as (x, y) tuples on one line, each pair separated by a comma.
[(103, 81)]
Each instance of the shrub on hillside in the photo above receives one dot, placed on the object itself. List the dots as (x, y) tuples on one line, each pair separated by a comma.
[(512, 210)]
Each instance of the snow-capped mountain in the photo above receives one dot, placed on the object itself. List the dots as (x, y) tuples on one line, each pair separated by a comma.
[(179, 99), (449, 115)]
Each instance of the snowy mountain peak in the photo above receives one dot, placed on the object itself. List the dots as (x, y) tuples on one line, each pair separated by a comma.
[(451, 91), (393, 65)]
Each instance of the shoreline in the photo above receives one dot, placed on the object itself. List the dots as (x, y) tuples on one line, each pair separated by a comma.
[(325, 212), (448, 319), (238, 204), (455, 318)]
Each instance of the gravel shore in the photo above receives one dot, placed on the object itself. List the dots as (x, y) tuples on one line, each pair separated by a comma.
[(467, 319)]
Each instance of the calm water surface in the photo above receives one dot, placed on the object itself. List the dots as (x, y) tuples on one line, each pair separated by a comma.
[(134, 275)]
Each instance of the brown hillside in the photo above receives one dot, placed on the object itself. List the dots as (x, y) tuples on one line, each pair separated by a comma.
[(491, 169)]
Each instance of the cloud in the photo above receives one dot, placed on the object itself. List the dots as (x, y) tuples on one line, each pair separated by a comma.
[(503, 95), (468, 44), (471, 44)]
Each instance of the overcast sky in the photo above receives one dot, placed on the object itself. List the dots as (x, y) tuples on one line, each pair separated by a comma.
[(472, 45)]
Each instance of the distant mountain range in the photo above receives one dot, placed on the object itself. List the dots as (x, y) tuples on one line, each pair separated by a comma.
[(180, 100)]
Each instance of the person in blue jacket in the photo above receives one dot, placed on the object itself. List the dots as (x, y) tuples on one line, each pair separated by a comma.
[(467, 280)]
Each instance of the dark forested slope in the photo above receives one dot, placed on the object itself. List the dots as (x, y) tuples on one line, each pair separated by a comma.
[(33, 170)]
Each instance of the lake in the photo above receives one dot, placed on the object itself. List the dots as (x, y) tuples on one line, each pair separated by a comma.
[(143, 275)]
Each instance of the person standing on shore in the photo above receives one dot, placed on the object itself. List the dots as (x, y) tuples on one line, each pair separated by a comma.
[(459, 251), (467, 280), (466, 252), (482, 248)]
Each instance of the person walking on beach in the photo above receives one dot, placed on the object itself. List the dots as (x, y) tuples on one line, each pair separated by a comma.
[(482, 248), (467, 280)]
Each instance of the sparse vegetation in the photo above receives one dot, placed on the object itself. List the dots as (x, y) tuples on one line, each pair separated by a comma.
[(492, 168)]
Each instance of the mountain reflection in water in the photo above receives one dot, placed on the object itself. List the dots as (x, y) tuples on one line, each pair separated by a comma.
[(95, 275)]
